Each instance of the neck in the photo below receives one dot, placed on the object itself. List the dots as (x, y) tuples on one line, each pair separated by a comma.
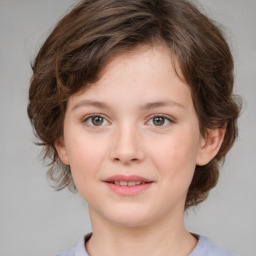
[(166, 237)]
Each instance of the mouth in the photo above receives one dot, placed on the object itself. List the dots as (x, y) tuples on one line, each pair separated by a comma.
[(128, 185)]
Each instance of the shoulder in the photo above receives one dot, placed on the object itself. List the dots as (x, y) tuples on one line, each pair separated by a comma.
[(206, 248), (77, 250), (69, 252)]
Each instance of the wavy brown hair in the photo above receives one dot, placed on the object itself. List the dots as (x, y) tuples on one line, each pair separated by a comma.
[(94, 31)]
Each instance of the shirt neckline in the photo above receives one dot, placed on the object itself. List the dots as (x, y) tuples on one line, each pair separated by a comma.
[(201, 241)]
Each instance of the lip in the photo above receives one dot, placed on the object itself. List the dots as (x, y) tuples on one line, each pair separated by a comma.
[(128, 190), (126, 178)]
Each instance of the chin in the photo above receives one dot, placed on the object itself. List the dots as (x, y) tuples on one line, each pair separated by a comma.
[(132, 222), (130, 219)]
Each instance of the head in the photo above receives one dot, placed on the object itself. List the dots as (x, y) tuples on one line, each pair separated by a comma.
[(87, 39)]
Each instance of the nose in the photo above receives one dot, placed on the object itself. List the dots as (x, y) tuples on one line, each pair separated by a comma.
[(127, 145)]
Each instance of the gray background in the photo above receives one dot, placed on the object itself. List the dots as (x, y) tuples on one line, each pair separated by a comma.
[(36, 220)]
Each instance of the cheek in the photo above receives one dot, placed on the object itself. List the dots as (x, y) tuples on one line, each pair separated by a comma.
[(85, 155), (176, 156)]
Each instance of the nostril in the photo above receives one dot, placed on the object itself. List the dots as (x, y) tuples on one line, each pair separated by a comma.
[(125, 155), (123, 159)]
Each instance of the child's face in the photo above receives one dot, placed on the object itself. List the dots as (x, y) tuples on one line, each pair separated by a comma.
[(143, 124)]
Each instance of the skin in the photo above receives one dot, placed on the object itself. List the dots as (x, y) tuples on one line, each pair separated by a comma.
[(128, 139)]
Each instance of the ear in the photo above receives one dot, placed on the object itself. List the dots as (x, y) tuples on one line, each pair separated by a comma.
[(62, 151), (210, 145)]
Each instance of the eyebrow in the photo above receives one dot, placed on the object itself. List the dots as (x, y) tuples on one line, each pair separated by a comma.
[(90, 103), (157, 104), (146, 106)]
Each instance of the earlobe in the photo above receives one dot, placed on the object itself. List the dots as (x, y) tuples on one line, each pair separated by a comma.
[(210, 145), (62, 151)]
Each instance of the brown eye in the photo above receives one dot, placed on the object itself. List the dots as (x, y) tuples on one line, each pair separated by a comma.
[(97, 120), (159, 121)]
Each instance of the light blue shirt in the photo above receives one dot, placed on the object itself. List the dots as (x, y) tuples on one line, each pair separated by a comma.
[(204, 247)]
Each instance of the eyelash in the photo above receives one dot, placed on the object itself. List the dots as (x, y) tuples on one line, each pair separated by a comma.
[(166, 118), (85, 120)]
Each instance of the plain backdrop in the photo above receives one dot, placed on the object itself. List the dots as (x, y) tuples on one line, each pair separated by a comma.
[(36, 220)]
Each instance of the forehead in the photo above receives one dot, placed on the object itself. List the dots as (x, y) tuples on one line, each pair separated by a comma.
[(150, 55), (145, 73)]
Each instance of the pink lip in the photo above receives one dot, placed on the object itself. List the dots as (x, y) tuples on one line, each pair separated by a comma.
[(126, 178), (127, 190)]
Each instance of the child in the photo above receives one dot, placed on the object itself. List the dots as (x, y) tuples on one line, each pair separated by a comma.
[(132, 101)]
